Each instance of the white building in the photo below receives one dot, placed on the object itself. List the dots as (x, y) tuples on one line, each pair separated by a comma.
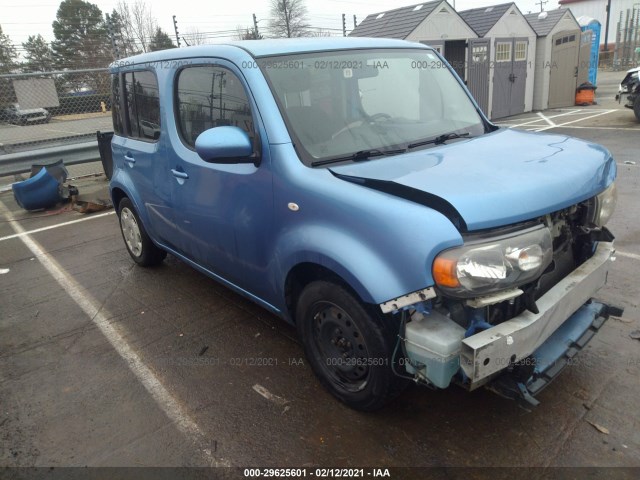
[(598, 9)]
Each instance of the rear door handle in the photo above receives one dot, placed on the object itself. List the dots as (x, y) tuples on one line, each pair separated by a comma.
[(179, 174), (129, 159)]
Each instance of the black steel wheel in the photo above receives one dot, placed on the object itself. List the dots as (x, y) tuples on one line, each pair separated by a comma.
[(142, 250), (348, 346)]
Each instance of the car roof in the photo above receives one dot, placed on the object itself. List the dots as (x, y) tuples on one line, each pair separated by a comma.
[(270, 47)]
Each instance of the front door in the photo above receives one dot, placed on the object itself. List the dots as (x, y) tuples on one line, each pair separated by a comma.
[(509, 77), (222, 212)]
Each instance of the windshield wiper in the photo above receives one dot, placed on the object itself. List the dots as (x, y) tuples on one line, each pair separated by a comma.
[(359, 156), (439, 140)]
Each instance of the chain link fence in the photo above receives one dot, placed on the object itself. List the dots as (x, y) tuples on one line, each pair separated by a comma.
[(47, 110)]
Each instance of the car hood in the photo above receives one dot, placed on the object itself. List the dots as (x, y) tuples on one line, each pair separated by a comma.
[(497, 179)]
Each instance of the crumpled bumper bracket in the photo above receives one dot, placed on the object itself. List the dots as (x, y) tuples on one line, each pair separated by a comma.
[(544, 365)]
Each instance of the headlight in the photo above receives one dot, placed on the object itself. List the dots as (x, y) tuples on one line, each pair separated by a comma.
[(604, 206), (486, 266)]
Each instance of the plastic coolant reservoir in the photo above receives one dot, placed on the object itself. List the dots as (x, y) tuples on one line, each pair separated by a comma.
[(434, 341)]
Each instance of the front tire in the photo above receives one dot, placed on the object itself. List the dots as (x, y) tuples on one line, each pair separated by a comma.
[(349, 348), (636, 106), (142, 250)]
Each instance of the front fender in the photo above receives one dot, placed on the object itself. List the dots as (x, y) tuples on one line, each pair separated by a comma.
[(376, 276), (356, 263)]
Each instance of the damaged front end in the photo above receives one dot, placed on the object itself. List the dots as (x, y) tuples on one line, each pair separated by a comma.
[(629, 91), (512, 307)]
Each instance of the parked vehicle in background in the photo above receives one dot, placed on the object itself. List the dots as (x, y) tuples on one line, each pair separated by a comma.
[(354, 188), (629, 91), (24, 116)]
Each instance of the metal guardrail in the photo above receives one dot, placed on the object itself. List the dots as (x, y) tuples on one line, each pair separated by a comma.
[(72, 154)]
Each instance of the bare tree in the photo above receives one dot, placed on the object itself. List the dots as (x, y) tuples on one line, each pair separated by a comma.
[(195, 37), (137, 24), (288, 18), (144, 24), (318, 32), (246, 33)]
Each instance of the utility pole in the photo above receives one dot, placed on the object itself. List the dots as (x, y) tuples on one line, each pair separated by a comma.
[(355, 23), (344, 25), (256, 35), (542, 3), (175, 27), (606, 28), (112, 37)]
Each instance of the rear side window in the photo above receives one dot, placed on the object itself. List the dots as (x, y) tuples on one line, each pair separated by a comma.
[(208, 97), (115, 105), (142, 105)]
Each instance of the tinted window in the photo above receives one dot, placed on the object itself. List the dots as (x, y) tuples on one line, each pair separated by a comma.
[(115, 104), (210, 97), (142, 105)]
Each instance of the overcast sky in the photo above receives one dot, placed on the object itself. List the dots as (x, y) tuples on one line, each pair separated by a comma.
[(21, 18)]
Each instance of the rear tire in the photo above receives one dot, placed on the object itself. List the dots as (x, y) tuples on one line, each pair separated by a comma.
[(636, 106), (349, 347), (142, 250)]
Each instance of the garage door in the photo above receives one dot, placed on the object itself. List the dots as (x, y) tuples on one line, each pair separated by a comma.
[(563, 69), (509, 76), (479, 71)]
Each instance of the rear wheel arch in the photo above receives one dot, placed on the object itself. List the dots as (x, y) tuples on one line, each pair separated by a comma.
[(117, 194)]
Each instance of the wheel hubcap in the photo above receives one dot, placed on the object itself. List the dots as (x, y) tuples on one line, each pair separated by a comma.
[(131, 231), (340, 346)]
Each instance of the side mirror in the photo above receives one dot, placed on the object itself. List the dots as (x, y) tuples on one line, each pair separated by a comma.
[(225, 145)]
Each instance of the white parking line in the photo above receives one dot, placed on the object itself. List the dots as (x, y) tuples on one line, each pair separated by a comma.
[(99, 316), (57, 225), (536, 120), (546, 119), (560, 125), (633, 256)]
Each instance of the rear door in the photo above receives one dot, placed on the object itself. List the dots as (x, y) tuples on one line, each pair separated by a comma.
[(137, 148), (223, 212)]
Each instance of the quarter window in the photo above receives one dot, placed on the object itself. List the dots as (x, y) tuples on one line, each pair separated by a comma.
[(208, 97), (142, 105), (115, 105)]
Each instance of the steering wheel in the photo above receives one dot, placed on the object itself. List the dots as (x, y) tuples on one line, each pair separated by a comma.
[(359, 123)]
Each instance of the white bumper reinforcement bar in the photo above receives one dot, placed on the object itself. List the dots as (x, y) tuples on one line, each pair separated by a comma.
[(494, 349)]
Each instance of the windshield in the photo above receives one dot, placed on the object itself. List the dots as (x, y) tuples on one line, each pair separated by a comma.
[(350, 103)]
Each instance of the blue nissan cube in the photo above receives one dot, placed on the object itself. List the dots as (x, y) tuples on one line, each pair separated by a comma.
[(354, 188)]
